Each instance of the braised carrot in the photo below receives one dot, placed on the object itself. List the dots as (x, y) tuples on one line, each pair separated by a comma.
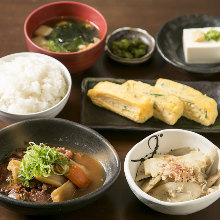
[(77, 176)]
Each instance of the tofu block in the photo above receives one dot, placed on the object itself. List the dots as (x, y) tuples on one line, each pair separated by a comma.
[(114, 97), (43, 30), (197, 49), (167, 107), (197, 107), (40, 41)]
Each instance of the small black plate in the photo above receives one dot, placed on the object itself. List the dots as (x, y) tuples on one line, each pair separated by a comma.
[(99, 118), (170, 46)]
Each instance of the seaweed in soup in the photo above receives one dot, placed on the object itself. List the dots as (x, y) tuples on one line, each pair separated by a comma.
[(70, 35)]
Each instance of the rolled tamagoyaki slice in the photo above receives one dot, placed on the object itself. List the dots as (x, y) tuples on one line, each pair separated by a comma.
[(197, 107), (114, 97), (167, 108)]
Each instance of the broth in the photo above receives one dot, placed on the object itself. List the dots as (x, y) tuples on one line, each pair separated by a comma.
[(40, 191), (66, 35)]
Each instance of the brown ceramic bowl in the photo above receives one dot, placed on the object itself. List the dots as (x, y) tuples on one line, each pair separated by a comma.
[(76, 62)]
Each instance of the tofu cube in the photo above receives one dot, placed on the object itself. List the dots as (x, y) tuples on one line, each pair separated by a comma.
[(197, 49)]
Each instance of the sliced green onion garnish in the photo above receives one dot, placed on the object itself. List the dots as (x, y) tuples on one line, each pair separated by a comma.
[(40, 160)]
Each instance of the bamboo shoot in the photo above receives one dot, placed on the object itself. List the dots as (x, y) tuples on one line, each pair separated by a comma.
[(64, 192)]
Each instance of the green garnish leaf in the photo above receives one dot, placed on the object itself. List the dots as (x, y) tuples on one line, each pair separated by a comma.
[(212, 35), (68, 36), (124, 108), (11, 181), (154, 94), (21, 196), (40, 160)]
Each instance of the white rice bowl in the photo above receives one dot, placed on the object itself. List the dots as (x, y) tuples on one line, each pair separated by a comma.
[(30, 84)]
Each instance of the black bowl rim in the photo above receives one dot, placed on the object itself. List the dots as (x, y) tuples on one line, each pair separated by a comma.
[(76, 201), (191, 69)]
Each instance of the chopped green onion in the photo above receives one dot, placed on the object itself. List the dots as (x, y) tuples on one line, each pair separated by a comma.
[(154, 94), (124, 108), (21, 196), (40, 160), (212, 35), (10, 181)]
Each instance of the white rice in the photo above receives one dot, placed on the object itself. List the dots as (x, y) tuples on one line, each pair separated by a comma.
[(30, 84)]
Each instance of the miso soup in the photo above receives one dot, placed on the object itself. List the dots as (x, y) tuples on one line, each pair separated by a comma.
[(66, 35)]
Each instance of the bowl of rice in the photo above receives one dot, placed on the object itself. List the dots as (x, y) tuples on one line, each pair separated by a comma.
[(32, 85)]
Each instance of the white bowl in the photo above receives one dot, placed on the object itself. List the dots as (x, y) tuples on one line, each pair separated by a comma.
[(166, 140), (48, 113)]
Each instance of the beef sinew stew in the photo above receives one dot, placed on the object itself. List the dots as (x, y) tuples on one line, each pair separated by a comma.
[(49, 174)]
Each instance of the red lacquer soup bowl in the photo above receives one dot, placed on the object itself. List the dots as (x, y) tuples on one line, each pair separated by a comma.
[(76, 62)]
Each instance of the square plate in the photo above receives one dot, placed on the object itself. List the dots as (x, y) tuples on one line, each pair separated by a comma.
[(99, 118)]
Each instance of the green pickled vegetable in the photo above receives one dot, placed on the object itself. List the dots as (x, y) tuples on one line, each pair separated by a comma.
[(212, 35), (129, 48)]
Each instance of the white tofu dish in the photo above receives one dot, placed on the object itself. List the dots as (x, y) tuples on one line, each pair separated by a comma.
[(201, 45)]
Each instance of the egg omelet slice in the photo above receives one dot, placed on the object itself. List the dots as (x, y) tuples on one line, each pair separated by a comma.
[(116, 98), (197, 107), (168, 108)]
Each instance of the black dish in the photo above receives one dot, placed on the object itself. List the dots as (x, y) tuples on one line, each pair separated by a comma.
[(99, 118), (169, 42), (59, 132)]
